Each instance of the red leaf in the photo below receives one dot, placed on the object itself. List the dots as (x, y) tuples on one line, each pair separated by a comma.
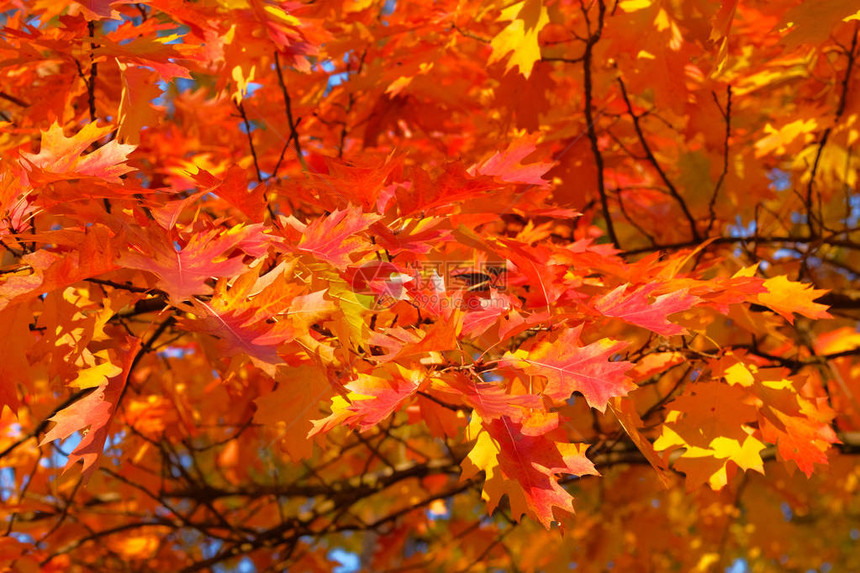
[(84, 255), (371, 399), (14, 367), (248, 318), (234, 190), (490, 401), (332, 239), (534, 461), (634, 307), (508, 165), (802, 440), (184, 272), (60, 157), (570, 367), (92, 415)]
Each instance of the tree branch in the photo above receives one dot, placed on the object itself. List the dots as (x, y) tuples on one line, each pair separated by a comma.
[(826, 136), (656, 165), (727, 116), (288, 109), (588, 83)]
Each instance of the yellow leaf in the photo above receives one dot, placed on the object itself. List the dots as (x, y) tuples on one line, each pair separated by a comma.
[(667, 439), (840, 340), (739, 374), (746, 456), (778, 139), (279, 14), (707, 561), (746, 271), (485, 453), (527, 19), (242, 80), (95, 376), (634, 5), (786, 297)]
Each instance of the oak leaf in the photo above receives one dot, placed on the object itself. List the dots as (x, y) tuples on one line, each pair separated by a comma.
[(786, 297), (520, 36), (60, 157), (92, 415), (532, 463), (334, 238), (633, 305), (183, 270), (570, 367)]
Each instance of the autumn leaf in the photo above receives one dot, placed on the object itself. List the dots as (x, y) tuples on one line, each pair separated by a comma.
[(786, 297), (234, 189), (298, 267), (570, 367), (183, 270), (92, 416), (633, 305), (630, 420), (520, 36), (81, 254), (490, 401), (370, 400), (721, 25), (532, 463), (508, 165), (135, 111), (60, 157), (333, 238), (255, 314), (291, 408), (14, 369)]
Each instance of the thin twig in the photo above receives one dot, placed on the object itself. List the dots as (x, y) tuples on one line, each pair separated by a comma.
[(241, 107), (12, 99), (94, 70), (589, 119), (826, 136), (652, 159), (727, 115), (288, 108)]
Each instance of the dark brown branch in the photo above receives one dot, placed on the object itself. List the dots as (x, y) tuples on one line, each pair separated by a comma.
[(652, 159), (746, 239), (284, 149), (129, 288), (359, 486), (632, 220), (241, 107), (446, 405), (288, 109), (826, 135), (588, 83), (94, 70), (470, 35), (12, 99), (578, 60), (727, 116)]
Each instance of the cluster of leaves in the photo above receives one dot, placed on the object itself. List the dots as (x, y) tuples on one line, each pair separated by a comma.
[(284, 283)]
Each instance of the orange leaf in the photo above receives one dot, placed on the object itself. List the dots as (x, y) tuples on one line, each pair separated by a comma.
[(786, 297), (92, 416)]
